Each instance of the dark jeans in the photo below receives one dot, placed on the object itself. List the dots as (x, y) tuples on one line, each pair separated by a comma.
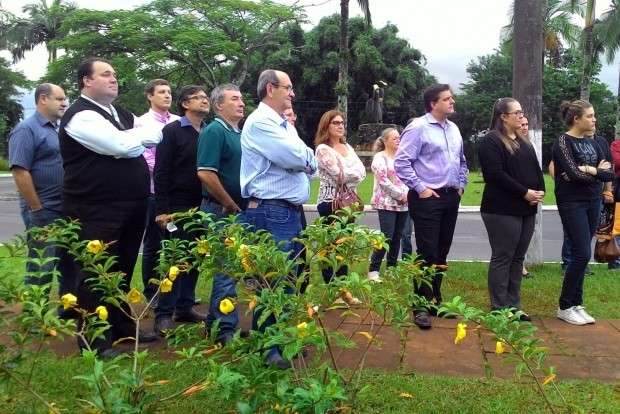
[(391, 224), (509, 237), (182, 297), (35, 274), (566, 246), (579, 220), (405, 241), (325, 210), (434, 219), (151, 244), (223, 286), (123, 223), (284, 223)]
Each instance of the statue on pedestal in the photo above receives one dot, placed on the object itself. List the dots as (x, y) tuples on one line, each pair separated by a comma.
[(374, 105)]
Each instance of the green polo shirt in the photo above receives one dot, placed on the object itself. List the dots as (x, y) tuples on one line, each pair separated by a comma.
[(219, 150)]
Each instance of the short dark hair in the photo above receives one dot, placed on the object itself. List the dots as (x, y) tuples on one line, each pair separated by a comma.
[(431, 94), (186, 92), (266, 77), (42, 89), (149, 89), (86, 69)]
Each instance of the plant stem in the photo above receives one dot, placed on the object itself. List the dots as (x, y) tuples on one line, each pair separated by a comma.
[(50, 407), (329, 345)]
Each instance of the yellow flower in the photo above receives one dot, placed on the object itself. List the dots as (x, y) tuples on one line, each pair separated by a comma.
[(226, 306), (548, 379), (102, 313), (461, 332), (247, 264), (339, 258), (165, 286), (321, 253), (173, 272), (134, 296), (229, 242), (243, 251), (499, 347), (203, 247), (68, 301), (51, 332), (94, 246), (376, 244), (342, 240), (301, 329), (253, 303)]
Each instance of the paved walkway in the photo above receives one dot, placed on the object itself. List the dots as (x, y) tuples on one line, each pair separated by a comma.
[(577, 352)]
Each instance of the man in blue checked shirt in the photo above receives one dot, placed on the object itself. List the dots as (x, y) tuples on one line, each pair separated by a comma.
[(275, 165)]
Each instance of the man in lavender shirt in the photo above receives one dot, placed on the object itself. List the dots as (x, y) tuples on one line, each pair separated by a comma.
[(159, 96), (431, 162)]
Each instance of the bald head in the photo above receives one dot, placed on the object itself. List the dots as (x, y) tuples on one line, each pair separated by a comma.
[(51, 101)]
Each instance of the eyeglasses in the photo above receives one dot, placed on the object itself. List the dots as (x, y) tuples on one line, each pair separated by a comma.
[(337, 123), (289, 88), (199, 97), (517, 113)]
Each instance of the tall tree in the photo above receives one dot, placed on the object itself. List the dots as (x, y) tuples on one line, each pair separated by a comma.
[(527, 72), (587, 42), (10, 107), (607, 32), (41, 25), (342, 88)]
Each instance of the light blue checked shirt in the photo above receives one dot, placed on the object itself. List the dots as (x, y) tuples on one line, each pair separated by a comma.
[(275, 162)]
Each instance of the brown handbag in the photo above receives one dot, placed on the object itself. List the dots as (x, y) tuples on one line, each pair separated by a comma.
[(345, 197), (606, 249)]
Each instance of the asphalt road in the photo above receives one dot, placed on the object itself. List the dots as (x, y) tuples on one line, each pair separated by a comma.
[(470, 238)]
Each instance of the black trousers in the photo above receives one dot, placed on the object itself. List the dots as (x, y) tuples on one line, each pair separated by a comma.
[(122, 222), (434, 219)]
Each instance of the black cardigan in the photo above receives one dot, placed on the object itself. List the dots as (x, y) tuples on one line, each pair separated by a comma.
[(508, 176)]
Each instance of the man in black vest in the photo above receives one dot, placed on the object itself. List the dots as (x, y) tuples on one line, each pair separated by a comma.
[(106, 185)]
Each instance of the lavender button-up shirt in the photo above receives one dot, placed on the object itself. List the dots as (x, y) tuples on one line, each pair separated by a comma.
[(430, 155)]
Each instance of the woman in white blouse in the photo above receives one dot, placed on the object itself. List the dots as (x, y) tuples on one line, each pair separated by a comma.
[(389, 198), (338, 164)]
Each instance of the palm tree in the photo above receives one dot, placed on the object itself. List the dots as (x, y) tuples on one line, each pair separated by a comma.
[(41, 26), (587, 43), (342, 88), (607, 34), (557, 28)]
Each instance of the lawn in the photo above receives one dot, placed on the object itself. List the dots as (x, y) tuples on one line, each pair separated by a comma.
[(472, 196), (384, 391)]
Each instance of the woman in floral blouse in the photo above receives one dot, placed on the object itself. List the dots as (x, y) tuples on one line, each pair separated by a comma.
[(337, 163), (389, 197)]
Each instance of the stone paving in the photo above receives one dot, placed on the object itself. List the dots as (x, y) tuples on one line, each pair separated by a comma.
[(577, 352)]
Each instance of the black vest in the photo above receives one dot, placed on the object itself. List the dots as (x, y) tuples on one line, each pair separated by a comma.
[(95, 178)]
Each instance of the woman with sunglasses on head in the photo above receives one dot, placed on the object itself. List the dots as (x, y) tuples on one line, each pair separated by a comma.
[(513, 188), (337, 165), (580, 167), (389, 198)]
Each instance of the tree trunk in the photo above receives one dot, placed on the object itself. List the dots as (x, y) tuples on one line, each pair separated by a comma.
[(342, 89), (527, 70), (588, 51)]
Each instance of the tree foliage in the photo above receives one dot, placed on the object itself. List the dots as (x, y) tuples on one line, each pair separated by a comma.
[(10, 108)]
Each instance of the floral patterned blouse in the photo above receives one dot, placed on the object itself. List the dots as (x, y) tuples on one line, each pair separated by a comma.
[(327, 158), (388, 190)]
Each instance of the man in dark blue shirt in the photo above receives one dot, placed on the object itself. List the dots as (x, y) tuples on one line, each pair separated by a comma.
[(36, 165)]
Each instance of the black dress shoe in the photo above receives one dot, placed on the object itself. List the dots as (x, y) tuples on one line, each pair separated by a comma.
[(524, 317), (422, 319), (144, 336), (192, 316), (162, 325), (275, 360), (109, 353)]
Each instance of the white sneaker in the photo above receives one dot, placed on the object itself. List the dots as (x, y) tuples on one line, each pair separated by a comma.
[(584, 315), (374, 276), (571, 316)]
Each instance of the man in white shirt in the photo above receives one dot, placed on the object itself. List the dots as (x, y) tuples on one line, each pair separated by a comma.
[(159, 96), (106, 185)]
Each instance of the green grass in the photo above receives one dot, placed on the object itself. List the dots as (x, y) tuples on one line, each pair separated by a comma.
[(472, 196), (438, 394), (4, 164)]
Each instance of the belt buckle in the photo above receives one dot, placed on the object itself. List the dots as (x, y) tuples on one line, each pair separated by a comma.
[(252, 204)]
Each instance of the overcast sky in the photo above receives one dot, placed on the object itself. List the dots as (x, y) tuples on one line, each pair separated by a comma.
[(449, 33)]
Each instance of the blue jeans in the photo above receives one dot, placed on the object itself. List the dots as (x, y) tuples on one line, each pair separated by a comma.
[(223, 286), (182, 297), (405, 240), (283, 221), (579, 220), (566, 246), (151, 244), (35, 274)]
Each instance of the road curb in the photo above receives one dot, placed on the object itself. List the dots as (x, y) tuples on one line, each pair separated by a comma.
[(462, 209)]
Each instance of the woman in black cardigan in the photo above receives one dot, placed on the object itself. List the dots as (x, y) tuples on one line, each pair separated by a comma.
[(513, 188)]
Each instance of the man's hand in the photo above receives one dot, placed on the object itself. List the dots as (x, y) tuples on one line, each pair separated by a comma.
[(231, 209), (461, 191), (162, 220), (428, 193)]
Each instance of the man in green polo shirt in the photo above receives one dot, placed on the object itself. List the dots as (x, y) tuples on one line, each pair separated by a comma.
[(218, 163)]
